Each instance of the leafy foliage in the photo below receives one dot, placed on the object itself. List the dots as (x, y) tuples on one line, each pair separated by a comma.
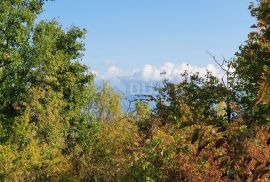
[(57, 125)]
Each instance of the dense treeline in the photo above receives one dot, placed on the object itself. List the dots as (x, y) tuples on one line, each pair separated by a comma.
[(56, 125)]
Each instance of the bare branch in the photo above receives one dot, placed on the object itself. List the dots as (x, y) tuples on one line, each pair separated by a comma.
[(214, 58)]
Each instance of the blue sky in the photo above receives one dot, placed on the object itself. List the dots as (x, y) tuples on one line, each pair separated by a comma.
[(127, 35)]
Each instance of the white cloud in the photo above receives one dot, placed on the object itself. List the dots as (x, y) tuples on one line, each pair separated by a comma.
[(140, 81), (152, 73), (114, 71)]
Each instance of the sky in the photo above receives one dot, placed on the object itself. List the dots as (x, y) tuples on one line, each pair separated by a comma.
[(140, 38)]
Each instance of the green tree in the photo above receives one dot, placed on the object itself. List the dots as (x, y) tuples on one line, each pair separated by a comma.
[(104, 105), (252, 66), (43, 89), (192, 101)]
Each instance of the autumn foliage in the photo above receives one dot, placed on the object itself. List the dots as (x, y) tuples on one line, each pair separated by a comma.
[(57, 125)]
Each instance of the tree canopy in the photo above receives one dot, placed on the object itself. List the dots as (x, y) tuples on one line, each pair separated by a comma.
[(57, 125)]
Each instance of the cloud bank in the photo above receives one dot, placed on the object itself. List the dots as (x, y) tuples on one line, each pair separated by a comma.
[(153, 73), (141, 81)]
